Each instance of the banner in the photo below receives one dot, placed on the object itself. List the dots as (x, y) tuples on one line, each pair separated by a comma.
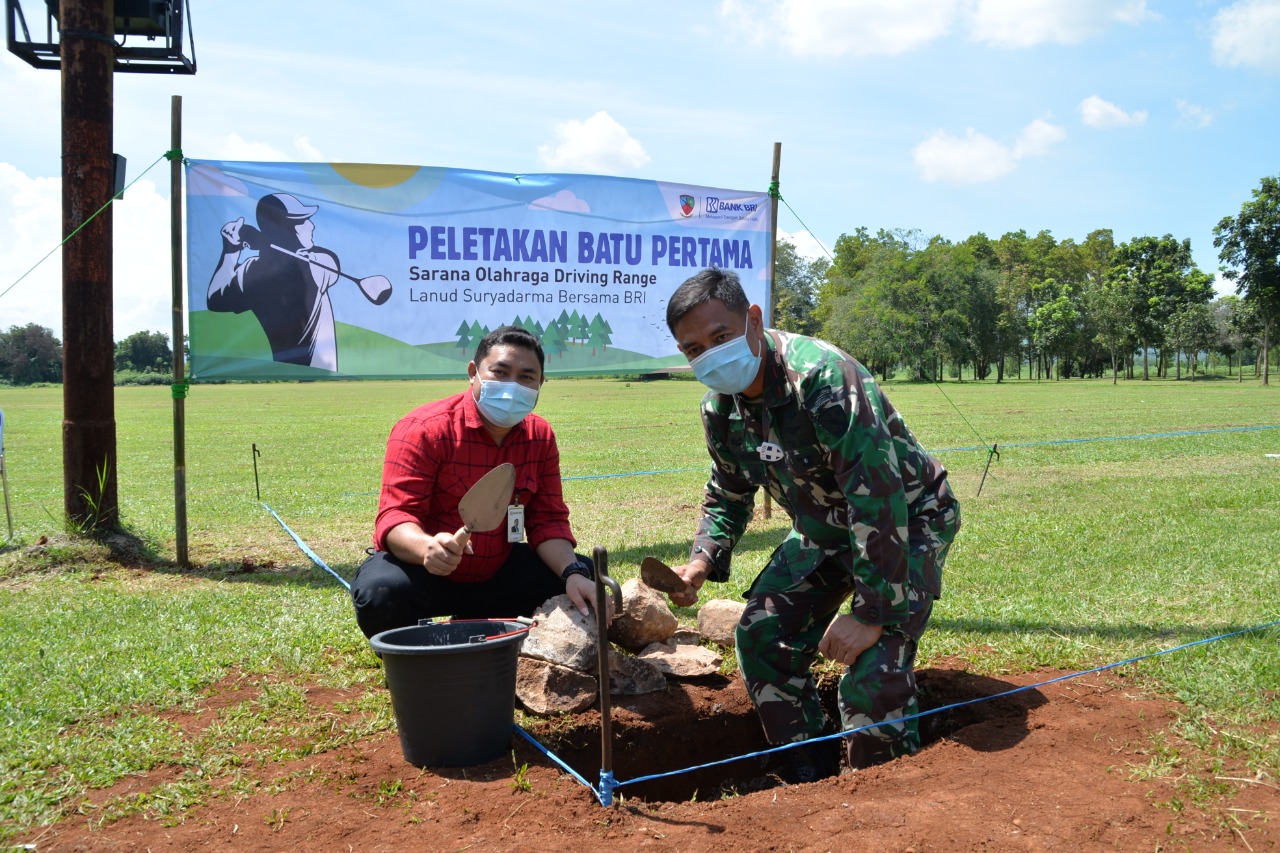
[(340, 270)]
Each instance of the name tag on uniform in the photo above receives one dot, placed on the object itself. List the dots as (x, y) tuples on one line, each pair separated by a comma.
[(515, 523)]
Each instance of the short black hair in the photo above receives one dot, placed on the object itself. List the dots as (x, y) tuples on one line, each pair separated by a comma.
[(513, 336), (702, 287)]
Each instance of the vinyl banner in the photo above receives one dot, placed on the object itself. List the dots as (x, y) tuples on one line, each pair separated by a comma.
[(339, 270)]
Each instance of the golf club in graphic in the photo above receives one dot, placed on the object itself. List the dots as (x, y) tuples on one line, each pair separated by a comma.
[(376, 288)]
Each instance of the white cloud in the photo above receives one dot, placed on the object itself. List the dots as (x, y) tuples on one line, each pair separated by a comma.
[(235, 147), (1037, 138), (1025, 23), (1096, 112), (976, 158), (969, 159), (807, 246), (1248, 33), (598, 145), (307, 153), (1193, 113), (31, 213), (833, 28)]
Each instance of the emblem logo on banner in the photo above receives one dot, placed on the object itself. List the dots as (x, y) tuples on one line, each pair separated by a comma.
[(687, 204)]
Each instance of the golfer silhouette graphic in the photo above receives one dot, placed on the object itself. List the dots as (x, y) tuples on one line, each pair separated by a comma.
[(286, 285)]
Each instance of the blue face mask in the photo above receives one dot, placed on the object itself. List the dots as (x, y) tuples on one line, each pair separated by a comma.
[(728, 368), (505, 404)]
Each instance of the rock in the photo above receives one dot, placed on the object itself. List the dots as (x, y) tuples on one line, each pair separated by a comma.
[(717, 619), (547, 688), (562, 635), (630, 676), (645, 617), (685, 636), (682, 661)]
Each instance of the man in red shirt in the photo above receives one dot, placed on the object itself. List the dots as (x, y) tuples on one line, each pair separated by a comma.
[(437, 452)]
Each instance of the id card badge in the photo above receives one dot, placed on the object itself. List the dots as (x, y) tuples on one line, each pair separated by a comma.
[(515, 523)]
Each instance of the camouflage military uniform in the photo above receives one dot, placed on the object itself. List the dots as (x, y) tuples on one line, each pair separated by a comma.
[(872, 518)]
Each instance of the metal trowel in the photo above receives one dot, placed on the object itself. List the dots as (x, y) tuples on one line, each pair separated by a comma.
[(484, 506), (658, 575)]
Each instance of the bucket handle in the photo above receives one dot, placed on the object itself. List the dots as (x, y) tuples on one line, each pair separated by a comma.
[(475, 639)]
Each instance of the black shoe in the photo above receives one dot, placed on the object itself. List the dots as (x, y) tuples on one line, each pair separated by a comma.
[(803, 764)]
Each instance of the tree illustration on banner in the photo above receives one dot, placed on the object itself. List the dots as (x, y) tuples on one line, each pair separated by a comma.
[(598, 332), (464, 337), (553, 340)]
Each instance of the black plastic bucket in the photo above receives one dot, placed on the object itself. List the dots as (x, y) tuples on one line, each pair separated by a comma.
[(453, 688)]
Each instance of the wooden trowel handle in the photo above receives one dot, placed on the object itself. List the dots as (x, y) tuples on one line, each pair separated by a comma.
[(463, 536)]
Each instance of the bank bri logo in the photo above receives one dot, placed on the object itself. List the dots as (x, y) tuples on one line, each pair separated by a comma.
[(688, 204)]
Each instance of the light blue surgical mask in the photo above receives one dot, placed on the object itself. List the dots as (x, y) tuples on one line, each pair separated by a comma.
[(730, 367), (505, 404)]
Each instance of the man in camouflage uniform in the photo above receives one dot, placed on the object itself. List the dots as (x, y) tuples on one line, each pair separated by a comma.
[(872, 519)]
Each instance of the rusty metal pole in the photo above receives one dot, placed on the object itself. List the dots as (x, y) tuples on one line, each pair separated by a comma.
[(88, 390)]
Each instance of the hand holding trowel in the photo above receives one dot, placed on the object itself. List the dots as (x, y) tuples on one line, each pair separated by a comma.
[(484, 506), (658, 575)]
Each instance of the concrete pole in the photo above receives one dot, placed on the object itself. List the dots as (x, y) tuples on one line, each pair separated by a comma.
[(88, 390)]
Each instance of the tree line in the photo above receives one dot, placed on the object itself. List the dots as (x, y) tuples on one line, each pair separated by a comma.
[(897, 300), (32, 353)]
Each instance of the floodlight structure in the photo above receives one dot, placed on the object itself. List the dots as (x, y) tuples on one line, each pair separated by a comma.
[(159, 23)]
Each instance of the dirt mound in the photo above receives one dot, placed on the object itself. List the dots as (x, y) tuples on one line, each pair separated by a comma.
[(1058, 767)]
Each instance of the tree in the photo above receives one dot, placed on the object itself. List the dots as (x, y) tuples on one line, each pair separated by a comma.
[(1190, 329), (30, 354), (795, 284), (145, 352), (1156, 272), (1109, 308), (1054, 327), (1238, 327), (1249, 246)]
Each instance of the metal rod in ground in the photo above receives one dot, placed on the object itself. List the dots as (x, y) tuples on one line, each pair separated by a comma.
[(601, 558), (4, 477), (256, 453), (994, 454)]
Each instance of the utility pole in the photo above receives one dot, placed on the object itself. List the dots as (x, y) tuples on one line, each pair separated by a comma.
[(88, 183)]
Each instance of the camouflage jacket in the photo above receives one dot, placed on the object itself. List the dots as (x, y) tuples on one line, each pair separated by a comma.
[(854, 480)]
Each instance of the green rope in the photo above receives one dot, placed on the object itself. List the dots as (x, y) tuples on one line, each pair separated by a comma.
[(180, 389), (174, 154), (774, 194), (66, 239), (905, 348)]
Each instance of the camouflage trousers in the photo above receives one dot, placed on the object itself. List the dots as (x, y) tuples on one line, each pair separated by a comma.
[(777, 644)]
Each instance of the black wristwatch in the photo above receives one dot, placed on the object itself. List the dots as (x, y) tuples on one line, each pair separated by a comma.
[(577, 567)]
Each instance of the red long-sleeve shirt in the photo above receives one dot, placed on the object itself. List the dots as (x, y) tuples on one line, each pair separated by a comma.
[(438, 451)]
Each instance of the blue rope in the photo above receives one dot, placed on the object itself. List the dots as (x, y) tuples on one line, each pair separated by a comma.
[(1109, 438), (634, 474), (936, 450), (303, 545), (549, 754)]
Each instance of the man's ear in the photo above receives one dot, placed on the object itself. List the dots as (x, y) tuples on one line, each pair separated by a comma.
[(471, 370), (756, 313)]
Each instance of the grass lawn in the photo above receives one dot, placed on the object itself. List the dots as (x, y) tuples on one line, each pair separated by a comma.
[(1076, 554)]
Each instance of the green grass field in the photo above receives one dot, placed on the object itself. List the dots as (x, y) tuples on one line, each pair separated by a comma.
[(1077, 554)]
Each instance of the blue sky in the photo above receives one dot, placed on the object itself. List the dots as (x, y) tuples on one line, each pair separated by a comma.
[(947, 116)]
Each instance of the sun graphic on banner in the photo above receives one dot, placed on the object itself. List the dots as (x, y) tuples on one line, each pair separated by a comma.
[(374, 175)]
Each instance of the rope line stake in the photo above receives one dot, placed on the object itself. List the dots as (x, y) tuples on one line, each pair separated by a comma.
[(256, 453), (991, 454)]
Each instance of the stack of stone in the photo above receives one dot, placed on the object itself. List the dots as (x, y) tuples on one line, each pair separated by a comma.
[(558, 668)]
